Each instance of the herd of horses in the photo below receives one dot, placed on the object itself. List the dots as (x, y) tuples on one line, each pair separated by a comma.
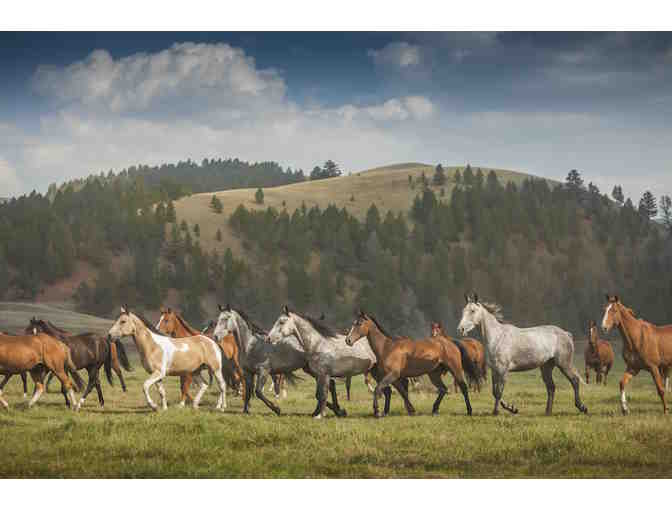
[(234, 350)]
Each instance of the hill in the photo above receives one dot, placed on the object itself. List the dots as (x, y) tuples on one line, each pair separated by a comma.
[(387, 187), (15, 316)]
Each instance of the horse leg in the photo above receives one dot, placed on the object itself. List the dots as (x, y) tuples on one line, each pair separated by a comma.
[(498, 383), (259, 391), (247, 393), (2, 385), (185, 384), (50, 376), (402, 387), (367, 380), (203, 387), (388, 399), (435, 378), (573, 377), (24, 380), (385, 382), (587, 374), (99, 390), (149, 382), (37, 375), (547, 376), (606, 373), (66, 386), (89, 386), (348, 381), (655, 373), (334, 399)]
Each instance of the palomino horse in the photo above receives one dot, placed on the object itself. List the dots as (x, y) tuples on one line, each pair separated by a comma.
[(36, 354), (89, 351), (475, 353), (172, 324), (403, 357), (162, 356), (513, 349), (327, 355), (598, 355), (645, 346)]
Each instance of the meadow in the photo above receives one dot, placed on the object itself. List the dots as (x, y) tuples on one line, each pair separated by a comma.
[(126, 439)]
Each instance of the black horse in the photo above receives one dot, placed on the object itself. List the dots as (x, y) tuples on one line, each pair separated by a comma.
[(89, 351)]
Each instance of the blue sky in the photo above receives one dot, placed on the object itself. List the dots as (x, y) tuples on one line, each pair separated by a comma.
[(76, 103)]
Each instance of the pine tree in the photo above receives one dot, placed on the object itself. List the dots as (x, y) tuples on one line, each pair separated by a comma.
[(617, 194), (665, 203), (216, 204), (457, 178), (439, 178), (197, 230), (574, 182), (647, 205), (468, 176), (259, 196)]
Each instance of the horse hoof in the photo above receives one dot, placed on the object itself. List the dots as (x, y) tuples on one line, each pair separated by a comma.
[(625, 412), (317, 416), (342, 413)]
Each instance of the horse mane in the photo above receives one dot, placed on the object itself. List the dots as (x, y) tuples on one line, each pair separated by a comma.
[(256, 329), (54, 326), (381, 328), (186, 325), (322, 328), (494, 308), (50, 329), (147, 324)]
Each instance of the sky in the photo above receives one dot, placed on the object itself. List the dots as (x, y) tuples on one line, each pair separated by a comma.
[(72, 104)]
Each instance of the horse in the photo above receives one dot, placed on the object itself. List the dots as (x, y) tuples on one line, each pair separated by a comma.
[(162, 356), (513, 349), (7, 377), (598, 355), (89, 351), (35, 354), (475, 353), (327, 355), (172, 324), (645, 346), (404, 357), (117, 353)]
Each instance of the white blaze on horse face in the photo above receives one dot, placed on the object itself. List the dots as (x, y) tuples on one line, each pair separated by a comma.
[(468, 321), (604, 319), (158, 324)]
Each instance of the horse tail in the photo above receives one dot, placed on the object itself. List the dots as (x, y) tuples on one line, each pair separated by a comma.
[(123, 358), (470, 368), (108, 364), (291, 378), (71, 369)]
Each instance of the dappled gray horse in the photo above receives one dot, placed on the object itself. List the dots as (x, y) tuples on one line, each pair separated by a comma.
[(326, 352), (513, 349)]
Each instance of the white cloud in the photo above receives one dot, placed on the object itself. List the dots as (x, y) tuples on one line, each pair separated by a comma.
[(397, 54), (9, 182)]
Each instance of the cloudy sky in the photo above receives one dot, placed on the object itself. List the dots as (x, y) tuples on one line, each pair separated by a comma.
[(76, 103)]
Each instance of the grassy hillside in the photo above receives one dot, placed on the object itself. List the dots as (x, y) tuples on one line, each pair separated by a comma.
[(387, 187), (15, 316)]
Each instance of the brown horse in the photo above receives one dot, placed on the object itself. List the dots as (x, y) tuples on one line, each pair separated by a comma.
[(598, 355), (403, 357), (7, 377), (645, 346), (174, 325), (37, 354), (475, 354)]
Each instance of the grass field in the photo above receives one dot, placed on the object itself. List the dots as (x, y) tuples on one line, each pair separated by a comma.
[(127, 440), (387, 187)]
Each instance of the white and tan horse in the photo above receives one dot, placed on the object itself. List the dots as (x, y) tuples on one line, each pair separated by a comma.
[(162, 356)]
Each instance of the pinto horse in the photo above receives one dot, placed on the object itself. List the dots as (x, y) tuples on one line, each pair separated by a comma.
[(90, 352), (162, 356), (598, 355), (645, 346), (36, 354), (403, 358), (172, 324), (475, 355)]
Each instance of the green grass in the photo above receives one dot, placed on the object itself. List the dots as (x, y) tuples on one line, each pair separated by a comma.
[(127, 440)]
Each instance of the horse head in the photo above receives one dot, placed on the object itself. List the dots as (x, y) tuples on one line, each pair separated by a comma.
[(612, 313), (359, 329)]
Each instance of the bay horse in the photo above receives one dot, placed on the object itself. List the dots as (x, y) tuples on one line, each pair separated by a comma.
[(645, 346), (172, 324), (117, 353), (37, 354), (7, 377), (598, 355), (475, 355), (403, 358), (513, 349), (89, 352), (162, 356)]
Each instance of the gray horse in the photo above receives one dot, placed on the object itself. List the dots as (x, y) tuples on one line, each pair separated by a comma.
[(513, 349), (260, 358), (327, 354)]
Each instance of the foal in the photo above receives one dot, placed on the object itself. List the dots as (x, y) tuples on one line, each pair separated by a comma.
[(598, 355), (404, 357)]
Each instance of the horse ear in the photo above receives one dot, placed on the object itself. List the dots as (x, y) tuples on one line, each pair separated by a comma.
[(616, 298), (228, 307), (123, 309), (322, 316), (475, 298), (285, 310), (466, 298), (220, 307), (607, 297)]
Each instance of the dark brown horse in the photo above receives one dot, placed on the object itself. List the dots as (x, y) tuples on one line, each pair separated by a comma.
[(475, 357), (403, 358), (174, 325), (645, 346), (598, 355), (37, 354), (89, 351)]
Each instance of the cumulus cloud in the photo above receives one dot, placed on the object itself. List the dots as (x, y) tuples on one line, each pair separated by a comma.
[(397, 54)]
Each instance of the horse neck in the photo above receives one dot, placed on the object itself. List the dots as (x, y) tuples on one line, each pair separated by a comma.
[(628, 329), (377, 340), (490, 327), (308, 337), (246, 339), (184, 328), (143, 338)]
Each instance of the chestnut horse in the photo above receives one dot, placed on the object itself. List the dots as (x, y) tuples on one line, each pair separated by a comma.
[(403, 357), (645, 346), (174, 325), (37, 354), (7, 377), (598, 355), (162, 356), (475, 355)]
